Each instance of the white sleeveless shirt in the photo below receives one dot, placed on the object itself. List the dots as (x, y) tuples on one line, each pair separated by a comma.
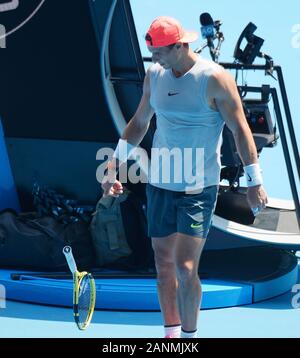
[(187, 142)]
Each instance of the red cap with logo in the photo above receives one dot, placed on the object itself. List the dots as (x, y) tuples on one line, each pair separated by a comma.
[(165, 31)]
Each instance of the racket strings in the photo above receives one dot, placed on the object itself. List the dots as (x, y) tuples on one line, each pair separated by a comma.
[(84, 299)]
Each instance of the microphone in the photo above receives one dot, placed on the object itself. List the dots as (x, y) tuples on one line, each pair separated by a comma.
[(208, 31), (207, 26)]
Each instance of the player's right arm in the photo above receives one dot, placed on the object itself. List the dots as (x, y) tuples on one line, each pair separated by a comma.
[(139, 123), (134, 133)]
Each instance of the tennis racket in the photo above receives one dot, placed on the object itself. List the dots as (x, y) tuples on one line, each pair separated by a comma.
[(84, 292)]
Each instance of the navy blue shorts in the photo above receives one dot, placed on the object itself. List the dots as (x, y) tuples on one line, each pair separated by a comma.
[(170, 212)]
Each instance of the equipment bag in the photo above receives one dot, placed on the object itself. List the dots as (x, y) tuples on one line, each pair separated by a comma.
[(119, 232), (107, 231), (28, 241)]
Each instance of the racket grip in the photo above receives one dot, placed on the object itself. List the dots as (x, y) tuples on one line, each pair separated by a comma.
[(67, 250)]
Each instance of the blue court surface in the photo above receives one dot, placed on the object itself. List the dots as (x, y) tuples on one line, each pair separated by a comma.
[(274, 318)]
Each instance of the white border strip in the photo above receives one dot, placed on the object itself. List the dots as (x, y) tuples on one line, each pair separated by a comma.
[(253, 233)]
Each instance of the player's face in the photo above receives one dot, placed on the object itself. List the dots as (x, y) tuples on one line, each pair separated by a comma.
[(165, 56)]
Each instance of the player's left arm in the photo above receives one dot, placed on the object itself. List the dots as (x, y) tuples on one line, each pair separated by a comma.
[(223, 91)]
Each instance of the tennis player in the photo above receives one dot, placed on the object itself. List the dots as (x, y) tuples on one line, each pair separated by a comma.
[(192, 98)]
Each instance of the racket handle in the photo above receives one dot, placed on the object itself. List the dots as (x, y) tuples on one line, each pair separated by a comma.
[(67, 250)]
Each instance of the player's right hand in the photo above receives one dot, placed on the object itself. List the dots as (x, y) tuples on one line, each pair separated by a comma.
[(112, 189)]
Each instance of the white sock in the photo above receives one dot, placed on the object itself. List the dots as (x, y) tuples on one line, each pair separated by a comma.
[(186, 334), (173, 331)]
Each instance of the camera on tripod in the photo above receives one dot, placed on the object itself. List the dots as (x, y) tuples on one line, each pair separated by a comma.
[(252, 49)]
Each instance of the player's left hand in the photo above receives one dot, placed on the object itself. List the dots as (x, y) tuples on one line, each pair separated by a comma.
[(257, 198)]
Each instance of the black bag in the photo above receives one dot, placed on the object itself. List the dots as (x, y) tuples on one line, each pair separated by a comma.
[(28, 241)]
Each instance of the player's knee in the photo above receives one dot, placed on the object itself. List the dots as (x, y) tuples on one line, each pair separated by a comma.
[(165, 269), (186, 271), (164, 259)]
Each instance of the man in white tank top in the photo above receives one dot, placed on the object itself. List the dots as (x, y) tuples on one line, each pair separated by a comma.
[(192, 98)]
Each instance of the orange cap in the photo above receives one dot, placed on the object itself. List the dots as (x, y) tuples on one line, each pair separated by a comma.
[(165, 31)]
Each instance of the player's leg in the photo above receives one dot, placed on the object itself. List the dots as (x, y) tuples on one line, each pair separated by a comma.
[(194, 216), (162, 216), (164, 253), (188, 252)]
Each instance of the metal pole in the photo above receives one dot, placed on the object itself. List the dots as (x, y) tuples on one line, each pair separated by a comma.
[(288, 118), (286, 154)]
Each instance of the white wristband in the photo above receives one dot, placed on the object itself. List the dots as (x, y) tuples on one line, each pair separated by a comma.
[(123, 150), (253, 175)]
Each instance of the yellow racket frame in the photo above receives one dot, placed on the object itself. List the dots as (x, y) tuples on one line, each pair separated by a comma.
[(77, 278)]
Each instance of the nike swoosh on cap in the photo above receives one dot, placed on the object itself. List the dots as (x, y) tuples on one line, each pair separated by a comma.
[(173, 94)]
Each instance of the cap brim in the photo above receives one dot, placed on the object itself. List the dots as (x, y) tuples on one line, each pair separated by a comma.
[(189, 36)]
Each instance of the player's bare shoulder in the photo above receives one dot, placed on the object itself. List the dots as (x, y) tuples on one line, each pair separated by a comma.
[(220, 82)]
